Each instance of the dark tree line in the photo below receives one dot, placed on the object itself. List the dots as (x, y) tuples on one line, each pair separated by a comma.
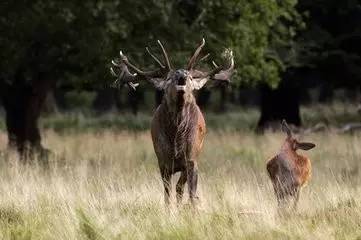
[(329, 56), (56, 46)]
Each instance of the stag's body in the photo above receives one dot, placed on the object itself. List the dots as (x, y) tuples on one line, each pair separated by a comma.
[(178, 126), (288, 170), (178, 130)]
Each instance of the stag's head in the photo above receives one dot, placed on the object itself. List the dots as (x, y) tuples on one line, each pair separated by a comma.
[(175, 83), (291, 142)]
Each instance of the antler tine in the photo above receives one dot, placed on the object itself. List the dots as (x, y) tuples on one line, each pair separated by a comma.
[(195, 55), (219, 68), (205, 57), (215, 64), (155, 58), (126, 62), (124, 59), (165, 55), (200, 60), (124, 76)]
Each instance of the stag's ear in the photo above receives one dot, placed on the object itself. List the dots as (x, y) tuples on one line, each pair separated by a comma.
[(305, 145), (198, 83), (159, 83)]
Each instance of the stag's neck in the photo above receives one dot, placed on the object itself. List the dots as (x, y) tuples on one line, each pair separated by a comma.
[(177, 105)]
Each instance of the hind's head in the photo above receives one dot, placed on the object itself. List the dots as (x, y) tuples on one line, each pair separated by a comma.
[(291, 142)]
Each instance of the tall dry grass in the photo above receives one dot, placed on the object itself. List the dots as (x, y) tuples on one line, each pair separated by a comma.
[(107, 186)]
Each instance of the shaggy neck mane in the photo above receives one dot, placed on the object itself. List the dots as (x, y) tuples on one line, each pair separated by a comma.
[(181, 117)]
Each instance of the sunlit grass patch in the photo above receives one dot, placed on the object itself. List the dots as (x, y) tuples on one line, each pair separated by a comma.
[(106, 185)]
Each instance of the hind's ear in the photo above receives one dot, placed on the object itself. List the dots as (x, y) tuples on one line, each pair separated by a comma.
[(286, 128), (305, 145)]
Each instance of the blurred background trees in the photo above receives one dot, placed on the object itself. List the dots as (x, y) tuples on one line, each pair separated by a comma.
[(54, 51)]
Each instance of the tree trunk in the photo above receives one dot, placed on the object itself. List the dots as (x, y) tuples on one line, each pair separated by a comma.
[(50, 106), (278, 104), (23, 103), (59, 95)]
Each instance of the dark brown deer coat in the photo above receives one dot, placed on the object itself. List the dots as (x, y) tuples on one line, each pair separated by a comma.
[(178, 133), (178, 127)]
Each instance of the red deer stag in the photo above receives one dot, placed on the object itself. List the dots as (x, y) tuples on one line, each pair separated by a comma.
[(178, 127), (288, 170)]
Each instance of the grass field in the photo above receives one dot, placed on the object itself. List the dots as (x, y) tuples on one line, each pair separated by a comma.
[(102, 182), (107, 186)]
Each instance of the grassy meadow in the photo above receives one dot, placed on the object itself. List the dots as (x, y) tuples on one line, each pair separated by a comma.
[(105, 184)]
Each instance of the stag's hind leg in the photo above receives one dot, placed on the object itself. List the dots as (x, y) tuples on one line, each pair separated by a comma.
[(192, 180), (180, 186), (166, 178)]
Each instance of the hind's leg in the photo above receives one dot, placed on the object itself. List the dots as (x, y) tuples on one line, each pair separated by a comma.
[(279, 193), (192, 180), (296, 198), (180, 186), (166, 178)]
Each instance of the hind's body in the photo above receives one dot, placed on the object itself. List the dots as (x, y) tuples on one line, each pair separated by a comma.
[(289, 173), (288, 170)]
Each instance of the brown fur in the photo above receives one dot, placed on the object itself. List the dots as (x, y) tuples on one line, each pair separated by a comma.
[(178, 126), (289, 171), (178, 130)]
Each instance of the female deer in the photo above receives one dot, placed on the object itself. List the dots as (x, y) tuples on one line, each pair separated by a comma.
[(288, 170)]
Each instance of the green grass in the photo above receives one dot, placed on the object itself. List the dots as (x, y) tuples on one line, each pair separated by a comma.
[(106, 185), (103, 182), (236, 119)]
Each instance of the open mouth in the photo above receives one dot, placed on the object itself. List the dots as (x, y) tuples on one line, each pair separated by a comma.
[(180, 87)]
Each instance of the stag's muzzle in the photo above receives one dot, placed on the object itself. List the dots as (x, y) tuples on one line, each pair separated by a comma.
[(180, 87), (181, 76)]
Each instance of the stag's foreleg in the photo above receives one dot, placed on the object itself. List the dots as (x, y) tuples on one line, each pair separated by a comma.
[(180, 186), (166, 178), (192, 180)]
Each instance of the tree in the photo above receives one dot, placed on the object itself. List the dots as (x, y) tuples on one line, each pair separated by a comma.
[(43, 42), (67, 45), (328, 53), (331, 43), (262, 36)]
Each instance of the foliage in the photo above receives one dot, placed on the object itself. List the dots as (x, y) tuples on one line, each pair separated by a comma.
[(331, 42), (74, 41), (237, 119), (60, 39), (260, 33)]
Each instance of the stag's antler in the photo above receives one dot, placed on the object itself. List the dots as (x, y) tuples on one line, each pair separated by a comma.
[(225, 71), (220, 72), (193, 61), (124, 76)]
